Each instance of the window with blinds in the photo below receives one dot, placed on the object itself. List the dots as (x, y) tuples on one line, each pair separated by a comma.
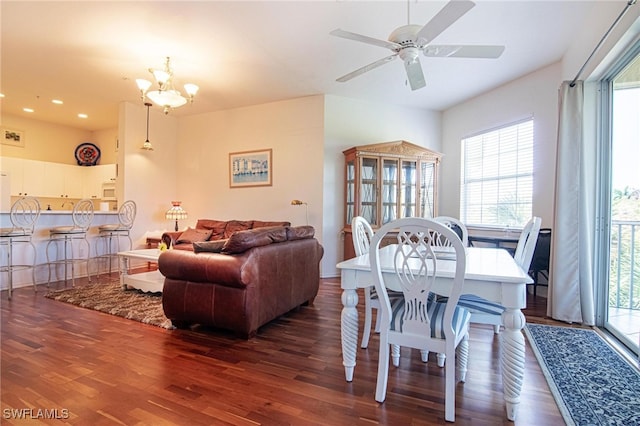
[(497, 176)]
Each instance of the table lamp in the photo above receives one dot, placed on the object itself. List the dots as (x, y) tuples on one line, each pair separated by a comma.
[(176, 212)]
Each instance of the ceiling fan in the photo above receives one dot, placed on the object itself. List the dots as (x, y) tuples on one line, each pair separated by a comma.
[(409, 40)]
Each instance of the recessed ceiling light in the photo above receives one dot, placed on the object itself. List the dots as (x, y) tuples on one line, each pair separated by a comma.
[(83, 115), (57, 101), (27, 109), (1, 95)]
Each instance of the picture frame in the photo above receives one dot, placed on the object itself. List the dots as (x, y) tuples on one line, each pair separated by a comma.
[(12, 137), (250, 168)]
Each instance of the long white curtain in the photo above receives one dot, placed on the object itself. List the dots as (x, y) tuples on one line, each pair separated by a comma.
[(571, 281)]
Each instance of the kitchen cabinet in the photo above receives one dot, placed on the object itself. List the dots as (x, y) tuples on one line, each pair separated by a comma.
[(55, 180), (62, 180), (26, 176), (96, 176)]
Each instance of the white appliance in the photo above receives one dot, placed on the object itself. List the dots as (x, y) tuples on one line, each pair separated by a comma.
[(108, 191)]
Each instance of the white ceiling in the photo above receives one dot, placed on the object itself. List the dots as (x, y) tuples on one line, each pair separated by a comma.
[(245, 53)]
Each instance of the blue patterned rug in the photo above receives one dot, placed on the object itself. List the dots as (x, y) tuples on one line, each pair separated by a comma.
[(591, 382)]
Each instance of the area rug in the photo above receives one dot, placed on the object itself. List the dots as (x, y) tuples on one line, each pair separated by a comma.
[(591, 382), (112, 299)]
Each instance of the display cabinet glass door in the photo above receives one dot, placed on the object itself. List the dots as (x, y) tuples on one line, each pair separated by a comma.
[(408, 189), (368, 190), (389, 190), (427, 189), (350, 190)]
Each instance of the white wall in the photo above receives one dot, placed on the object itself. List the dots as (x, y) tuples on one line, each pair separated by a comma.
[(533, 95), (293, 129), (147, 177), (55, 142), (596, 25), (351, 122)]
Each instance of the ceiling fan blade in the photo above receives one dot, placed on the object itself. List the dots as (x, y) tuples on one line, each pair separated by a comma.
[(366, 68), (449, 14), (365, 39), (414, 73), (461, 51)]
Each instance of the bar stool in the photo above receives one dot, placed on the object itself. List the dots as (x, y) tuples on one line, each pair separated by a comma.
[(82, 216), (24, 215), (107, 233)]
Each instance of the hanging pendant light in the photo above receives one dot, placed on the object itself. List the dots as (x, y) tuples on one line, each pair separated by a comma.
[(147, 145)]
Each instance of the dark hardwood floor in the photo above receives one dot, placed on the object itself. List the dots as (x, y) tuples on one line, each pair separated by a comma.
[(98, 369)]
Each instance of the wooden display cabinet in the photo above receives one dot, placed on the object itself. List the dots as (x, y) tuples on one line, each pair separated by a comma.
[(387, 181)]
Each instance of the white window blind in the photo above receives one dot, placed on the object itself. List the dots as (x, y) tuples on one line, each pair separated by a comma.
[(497, 176)]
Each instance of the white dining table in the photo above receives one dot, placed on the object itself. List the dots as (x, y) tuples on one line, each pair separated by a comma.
[(490, 273)]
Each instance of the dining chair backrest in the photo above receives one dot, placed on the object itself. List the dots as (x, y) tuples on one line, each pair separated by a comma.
[(361, 233), (127, 214), (24, 214), (542, 252), (458, 227), (82, 214), (416, 264), (527, 243)]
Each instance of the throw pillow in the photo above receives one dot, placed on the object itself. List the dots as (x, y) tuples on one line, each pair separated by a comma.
[(263, 224), (300, 232), (236, 225), (208, 246), (192, 235), (216, 227), (242, 241)]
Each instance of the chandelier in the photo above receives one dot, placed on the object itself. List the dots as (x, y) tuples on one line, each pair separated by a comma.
[(166, 95)]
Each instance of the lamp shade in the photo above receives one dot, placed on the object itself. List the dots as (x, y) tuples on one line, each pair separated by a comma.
[(176, 211), (167, 98)]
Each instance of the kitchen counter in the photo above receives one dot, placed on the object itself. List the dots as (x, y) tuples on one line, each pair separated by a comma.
[(47, 220)]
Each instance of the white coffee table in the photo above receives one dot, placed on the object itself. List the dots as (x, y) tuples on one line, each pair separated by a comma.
[(146, 281)]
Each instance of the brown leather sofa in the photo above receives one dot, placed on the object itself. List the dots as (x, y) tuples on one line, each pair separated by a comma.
[(213, 230), (241, 283)]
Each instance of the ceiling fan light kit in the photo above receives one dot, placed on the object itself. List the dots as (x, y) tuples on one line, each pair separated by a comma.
[(166, 95), (409, 40)]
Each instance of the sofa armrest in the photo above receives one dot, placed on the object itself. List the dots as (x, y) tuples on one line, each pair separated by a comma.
[(222, 269)]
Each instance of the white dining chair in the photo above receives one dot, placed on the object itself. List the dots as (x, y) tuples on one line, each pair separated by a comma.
[(484, 311), (458, 227), (417, 320), (362, 233)]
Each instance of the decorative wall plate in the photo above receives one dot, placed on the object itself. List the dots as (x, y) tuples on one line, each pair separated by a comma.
[(87, 154)]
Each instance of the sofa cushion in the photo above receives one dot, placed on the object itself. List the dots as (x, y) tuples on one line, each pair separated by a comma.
[(192, 235), (235, 226), (300, 232), (264, 224), (216, 227), (242, 241), (213, 246)]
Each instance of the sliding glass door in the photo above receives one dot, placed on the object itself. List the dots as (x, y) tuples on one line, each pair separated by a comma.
[(619, 255)]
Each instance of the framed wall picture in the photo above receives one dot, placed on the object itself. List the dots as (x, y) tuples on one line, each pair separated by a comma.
[(250, 168), (12, 137)]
